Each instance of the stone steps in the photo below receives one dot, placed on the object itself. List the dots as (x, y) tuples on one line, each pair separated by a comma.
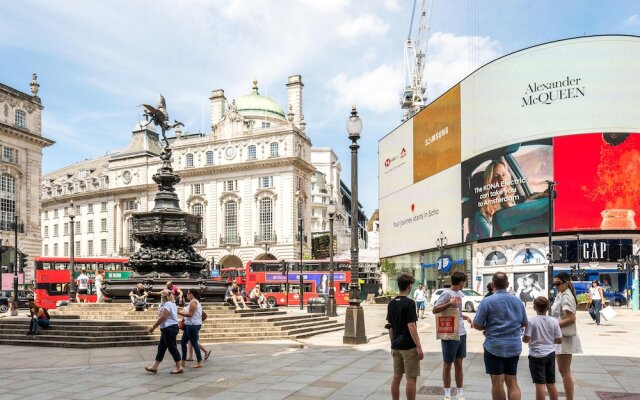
[(114, 325)]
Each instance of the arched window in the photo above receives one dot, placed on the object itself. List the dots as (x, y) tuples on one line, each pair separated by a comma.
[(210, 157), (266, 219), (198, 209), (7, 201), (189, 160), (21, 119), (251, 152), (274, 149), (231, 221)]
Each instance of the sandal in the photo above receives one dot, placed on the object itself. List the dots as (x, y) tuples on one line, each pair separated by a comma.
[(177, 372), (183, 363), (196, 365), (207, 354), (153, 371)]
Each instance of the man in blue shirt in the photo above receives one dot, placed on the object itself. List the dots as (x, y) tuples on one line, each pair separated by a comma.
[(502, 317)]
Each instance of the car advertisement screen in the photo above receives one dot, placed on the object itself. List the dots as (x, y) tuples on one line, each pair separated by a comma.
[(504, 191), (598, 177)]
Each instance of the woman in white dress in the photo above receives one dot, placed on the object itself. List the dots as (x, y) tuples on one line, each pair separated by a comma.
[(564, 309)]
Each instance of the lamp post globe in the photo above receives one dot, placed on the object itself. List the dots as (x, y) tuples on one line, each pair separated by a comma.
[(71, 213), (354, 330)]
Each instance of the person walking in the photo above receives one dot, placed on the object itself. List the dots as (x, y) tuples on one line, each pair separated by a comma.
[(596, 300), (419, 296), (564, 310), (502, 317), (83, 286), (98, 286), (490, 289), (453, 351), (406, 349), (168, 323), (542, 334), (192, 314)]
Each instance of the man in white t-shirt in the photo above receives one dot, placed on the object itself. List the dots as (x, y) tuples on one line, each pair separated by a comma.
[(453, 351), (83, 286), (419, 296)]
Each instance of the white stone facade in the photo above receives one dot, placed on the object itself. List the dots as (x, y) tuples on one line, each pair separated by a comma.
[(21, 144), (249, 178)]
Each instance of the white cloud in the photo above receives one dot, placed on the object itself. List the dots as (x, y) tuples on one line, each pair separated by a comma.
[(449, 61), (392, 5), (363, 25), (377, 90), (633, 20)]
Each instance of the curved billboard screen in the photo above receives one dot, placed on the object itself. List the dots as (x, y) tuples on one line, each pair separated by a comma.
[(482, 153)]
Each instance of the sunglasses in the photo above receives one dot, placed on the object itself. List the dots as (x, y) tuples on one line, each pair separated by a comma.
[(558, 283)]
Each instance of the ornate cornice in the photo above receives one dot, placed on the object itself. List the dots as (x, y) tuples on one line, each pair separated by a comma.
[(248, 166), (98, 193), (22, 134)]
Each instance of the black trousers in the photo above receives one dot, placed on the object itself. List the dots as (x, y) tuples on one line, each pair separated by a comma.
[(168, 337)]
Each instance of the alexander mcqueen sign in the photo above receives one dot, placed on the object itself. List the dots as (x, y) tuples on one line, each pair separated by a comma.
[(547, 93)]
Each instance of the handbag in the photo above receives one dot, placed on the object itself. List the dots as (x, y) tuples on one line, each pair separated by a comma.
[(204, 315), (448, 324), (608, 313), (181, 324)]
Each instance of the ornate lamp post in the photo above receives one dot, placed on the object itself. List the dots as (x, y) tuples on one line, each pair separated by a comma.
[(301, 290), (441, 243), (15, 259), (331, 304), (72, 215), (354, 330)]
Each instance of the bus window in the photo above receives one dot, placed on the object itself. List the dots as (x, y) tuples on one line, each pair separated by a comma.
[(342, 267), (344, 288), (307, 288), (272, 289), (272, 267), (257, 267)]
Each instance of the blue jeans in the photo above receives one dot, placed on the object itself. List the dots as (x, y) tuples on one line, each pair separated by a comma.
[(191, 334), (34, 323), (594, 311)]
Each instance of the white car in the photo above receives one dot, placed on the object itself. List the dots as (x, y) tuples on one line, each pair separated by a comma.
[(470, 299)]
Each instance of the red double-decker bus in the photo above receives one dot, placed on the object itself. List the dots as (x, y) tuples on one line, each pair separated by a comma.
[(53, 276), (282, 288)]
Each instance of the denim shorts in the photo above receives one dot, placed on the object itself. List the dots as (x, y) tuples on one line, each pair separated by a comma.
[(420, 305), (452, 349)]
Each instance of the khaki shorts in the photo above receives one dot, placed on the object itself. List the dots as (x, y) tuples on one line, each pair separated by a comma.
[(406, 362)]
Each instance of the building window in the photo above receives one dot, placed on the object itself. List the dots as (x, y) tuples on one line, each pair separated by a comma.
[(299, 183), (210, 157), (77, 250), (7, 201), (231, 185), (197, 188), (189, 160), (103, 225), (266, 182), (21, 119), (46, 214), (55, 213), (55, 249), (274, 149), (231, 219), (77, 228), (55, 230), (65, 212), (266, 219), (66, 229), (90, 226), (103, 247), (251, 152), (130, 205), (90, 208), (198, 209), (46, 231), (46, 249), (66, 249), (266, 124), (10, 155), (90, 248), (299, 209), (103, 206)]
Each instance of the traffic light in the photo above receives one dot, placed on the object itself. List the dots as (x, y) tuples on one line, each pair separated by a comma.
[(283, 267), (556, 252), (24, 260)]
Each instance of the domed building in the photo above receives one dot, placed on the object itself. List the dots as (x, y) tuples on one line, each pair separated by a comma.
[(249, 178)]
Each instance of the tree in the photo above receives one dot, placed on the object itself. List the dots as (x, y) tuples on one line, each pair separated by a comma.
[(389, 268)]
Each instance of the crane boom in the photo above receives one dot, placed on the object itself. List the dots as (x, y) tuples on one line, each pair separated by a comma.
[(414, 94)]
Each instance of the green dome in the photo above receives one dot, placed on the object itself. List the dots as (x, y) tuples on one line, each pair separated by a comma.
[(256, 104)]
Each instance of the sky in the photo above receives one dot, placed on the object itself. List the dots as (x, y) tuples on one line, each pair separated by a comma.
[(97, 60)]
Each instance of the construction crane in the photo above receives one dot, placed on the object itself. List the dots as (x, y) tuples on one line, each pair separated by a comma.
[(414, 94)]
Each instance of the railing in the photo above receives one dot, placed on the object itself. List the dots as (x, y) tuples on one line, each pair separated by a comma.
[(201, 242), (265, 237), (11, 159), (304, 238), (231, 239), (7, 225)]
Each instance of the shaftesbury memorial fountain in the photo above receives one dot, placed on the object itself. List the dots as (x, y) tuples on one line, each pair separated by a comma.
[(166, 233)]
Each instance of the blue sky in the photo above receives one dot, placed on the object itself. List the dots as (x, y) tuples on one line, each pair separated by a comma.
[(97, 60)]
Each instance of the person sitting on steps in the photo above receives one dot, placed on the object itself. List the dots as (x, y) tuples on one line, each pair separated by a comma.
[(257, 297), (138, 297), (235, 297), (39, 318)]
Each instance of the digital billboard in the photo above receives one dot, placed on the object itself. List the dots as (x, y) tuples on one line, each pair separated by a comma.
[(395, 160), (598, 177)]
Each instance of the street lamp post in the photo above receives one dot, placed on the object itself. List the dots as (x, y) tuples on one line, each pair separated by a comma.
[(579, 253), (551, 192), (2, 250), (72, 215), (331, 304), (301, 290), (15, 259), (441, 243), (354, 330)]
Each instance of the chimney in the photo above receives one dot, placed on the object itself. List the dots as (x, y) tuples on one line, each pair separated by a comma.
[(218, 102), (294, 97)]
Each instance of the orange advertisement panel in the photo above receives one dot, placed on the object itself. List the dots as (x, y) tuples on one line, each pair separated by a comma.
[(436, 136)]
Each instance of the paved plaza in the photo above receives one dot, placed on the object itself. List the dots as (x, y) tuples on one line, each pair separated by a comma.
[(316, 368)]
